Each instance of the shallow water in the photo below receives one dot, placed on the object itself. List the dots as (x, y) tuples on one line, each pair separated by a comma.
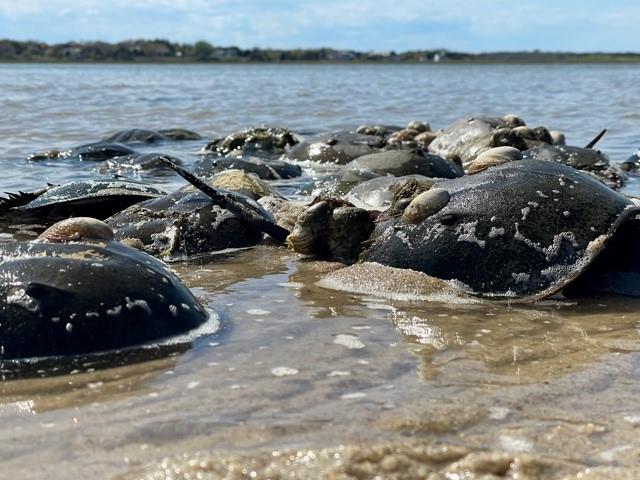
[(296, 370)]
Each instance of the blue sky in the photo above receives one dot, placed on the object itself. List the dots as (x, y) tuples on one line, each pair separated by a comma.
[(474, 26)]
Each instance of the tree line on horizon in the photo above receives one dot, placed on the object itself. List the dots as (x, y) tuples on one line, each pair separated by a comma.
[(159, 50)]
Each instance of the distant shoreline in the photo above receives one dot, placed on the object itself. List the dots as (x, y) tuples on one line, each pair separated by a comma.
[(323, 62), (165, 52)]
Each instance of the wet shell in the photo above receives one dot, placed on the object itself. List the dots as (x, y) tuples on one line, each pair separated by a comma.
[(419, 126), (557, 137), (80, 298), (77, 229), (425, 205), (242, 182), (493, 157), (522, 230)]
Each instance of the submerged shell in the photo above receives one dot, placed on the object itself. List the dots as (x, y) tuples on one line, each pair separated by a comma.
[(77, 298), (520, 230), (135, 135)]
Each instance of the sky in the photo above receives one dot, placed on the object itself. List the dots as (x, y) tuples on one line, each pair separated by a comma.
[(366, 25)]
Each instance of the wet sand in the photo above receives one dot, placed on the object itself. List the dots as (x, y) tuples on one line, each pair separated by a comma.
[(306, 382)]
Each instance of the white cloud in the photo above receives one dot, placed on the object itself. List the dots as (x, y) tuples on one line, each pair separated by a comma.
[(344, 23)]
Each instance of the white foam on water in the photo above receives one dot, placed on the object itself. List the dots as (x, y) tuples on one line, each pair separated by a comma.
[(210, 327)]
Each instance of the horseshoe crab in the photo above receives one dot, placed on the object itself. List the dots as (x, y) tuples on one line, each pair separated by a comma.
[(266, 140), (632, 163), (140, 135), (135, 135), (469, 137), (136, 162), (587, 159), (191, 222), (379, 193), (89, 152), (97, 198), (467, 129), (406, 162), (522, 230), (336, 147), (267, 170), (71, 298)]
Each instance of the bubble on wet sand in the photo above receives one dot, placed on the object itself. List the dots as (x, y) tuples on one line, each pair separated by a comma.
[(348, 340), (295, 285), (258, 312), (284, 371), (353, 396)]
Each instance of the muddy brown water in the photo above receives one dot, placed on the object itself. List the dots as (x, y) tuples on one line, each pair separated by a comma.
[(300, 381)]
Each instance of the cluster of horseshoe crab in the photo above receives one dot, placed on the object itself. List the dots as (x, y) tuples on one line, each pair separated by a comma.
[(487, 207)]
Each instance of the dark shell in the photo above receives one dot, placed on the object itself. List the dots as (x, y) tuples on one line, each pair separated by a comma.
[(135, 135), (406, 162), (380, 130), (70, 299), (186, 223), (266, 140), (520, 230), (337, 147), (93, 198), (587, 159), (632, 163), (576, 157), (267, 170), (180, 134), (90, 152), (137, 162)]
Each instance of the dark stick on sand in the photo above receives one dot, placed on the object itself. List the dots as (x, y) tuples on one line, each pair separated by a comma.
[(596, 139), (231, 203)]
